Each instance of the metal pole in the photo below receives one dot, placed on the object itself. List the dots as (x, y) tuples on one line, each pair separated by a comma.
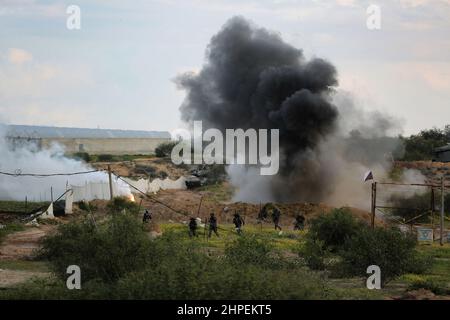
[(110, 183), (374, 203), (442, 210), (199, 206), (51, 194)]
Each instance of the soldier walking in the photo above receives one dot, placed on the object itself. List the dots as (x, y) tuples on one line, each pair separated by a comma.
[(238, 222), (212, 225)]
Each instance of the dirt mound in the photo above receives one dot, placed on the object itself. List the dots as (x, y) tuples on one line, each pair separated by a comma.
[(144, 168), (186, 203)]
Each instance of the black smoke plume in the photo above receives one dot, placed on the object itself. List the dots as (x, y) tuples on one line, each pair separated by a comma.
[(253, 79)]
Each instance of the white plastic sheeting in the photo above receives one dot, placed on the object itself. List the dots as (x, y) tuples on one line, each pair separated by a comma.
[(69, 202), (48, 214), (99, 190), (157, 184)]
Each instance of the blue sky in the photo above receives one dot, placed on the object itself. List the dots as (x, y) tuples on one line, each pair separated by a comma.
[(117, 71)]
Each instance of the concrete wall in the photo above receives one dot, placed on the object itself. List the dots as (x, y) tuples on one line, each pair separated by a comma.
[(113, 146)]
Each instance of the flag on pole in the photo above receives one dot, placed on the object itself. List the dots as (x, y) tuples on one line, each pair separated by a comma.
[(368, 176)]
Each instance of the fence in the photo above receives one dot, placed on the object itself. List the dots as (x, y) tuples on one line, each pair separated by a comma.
[(412, 206)]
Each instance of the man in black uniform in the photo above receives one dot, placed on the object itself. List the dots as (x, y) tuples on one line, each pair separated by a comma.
[(212, 225), (147, 217), (193, 228), (299, 222), (238, 222), (276, 218)]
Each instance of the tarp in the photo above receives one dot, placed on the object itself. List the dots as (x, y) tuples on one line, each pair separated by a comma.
[(48, 214), (157, 184), (99, 190), (69, 202)]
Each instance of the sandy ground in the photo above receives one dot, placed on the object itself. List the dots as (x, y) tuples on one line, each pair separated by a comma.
[(10, 278), (22, 244)]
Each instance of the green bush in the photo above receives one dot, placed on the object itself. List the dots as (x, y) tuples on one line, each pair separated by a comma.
[(314, 255), (118, 262), (165, 149), (334, 229), (390, 249), (183, 271), (119, 204), (104, 252), (82, 156), (105, 157), (201, 278), (87, 206), (421, 146), (430, 284), (248, 249)]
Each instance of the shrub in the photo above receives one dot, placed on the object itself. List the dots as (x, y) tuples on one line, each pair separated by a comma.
[(200, 278), (314, 254), (334, 229), (430, 284), (248, 249), (104, 252), (390, 249), (82, 156), (119, 204), (165, 268), (183, 271), (165, 149), (422, 145), (87, 206), (105, 157)]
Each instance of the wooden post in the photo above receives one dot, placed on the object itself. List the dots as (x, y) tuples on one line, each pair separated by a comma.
[(442, 210), (26, 204), (374, 203), (51, 194), (199, 206), (110, 183)]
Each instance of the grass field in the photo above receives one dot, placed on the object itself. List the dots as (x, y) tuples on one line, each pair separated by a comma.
[(20, 206), (289, 242)]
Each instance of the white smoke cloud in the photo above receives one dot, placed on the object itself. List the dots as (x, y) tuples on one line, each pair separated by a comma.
[(27, 159)]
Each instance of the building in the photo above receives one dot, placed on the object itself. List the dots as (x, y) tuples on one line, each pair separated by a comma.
[(442, 154), (92, 141)]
